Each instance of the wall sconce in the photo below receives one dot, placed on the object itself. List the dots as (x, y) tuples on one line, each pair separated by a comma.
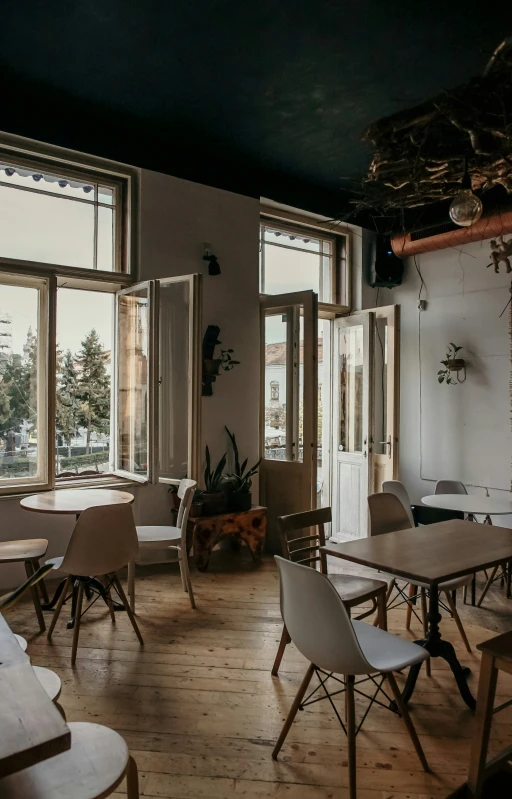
[(213, 264)]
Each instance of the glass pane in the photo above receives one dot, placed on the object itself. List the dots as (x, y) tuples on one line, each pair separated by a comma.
[(324, 412), (84, 369), (174, 379), (105, 239), (44, 182), (19, 377), (37, 227), (298, 451), (350, 367), (132, 382), (380, 382), (286, 238), (276, 337), (105, 195), (290, 263)]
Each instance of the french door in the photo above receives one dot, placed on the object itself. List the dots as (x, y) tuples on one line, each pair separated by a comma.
[(289, 417), (365, 414)]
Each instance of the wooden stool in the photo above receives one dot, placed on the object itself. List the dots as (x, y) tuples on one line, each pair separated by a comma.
[(28, 551), (496, 656), (95, 765)]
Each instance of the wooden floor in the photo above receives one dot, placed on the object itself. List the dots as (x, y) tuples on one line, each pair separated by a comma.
[(201, 712)]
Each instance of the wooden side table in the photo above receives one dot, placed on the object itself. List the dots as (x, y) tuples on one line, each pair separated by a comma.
[(206, 531)]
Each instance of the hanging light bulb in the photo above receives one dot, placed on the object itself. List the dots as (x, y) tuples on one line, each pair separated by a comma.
[(466, 208)]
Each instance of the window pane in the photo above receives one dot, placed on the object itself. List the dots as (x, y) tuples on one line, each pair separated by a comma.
[(276, 331), (105, 239), (21, 418), (380, 382), (289, 262), (42, 181), (174, 373), (36, 227), (105, 195), (132, 382), (351, 389), (84, 342)]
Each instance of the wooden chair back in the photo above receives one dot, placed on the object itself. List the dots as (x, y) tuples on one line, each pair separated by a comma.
[(387, 514), (302, 535)]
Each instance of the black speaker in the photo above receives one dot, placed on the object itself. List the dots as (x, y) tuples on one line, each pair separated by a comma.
[(388, 269)]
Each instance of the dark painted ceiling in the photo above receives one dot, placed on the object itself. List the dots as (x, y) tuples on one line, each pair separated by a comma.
[(266, 97)]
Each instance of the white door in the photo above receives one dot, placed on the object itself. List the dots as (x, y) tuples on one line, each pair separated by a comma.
[(386, 395), (289, 331), (352, 456)]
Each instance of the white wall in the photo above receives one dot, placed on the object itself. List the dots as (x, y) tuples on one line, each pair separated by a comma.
[(460, 432), (176, 219)]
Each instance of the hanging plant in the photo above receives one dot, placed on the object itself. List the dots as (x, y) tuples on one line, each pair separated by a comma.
[(452, 365)]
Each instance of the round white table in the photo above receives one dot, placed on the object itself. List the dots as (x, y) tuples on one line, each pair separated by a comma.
[(470, 504), (473, 504)]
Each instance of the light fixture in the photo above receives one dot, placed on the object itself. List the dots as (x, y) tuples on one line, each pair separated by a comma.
[(466, 208)]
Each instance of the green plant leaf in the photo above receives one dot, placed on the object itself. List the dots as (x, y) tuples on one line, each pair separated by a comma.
[(441, 372), (440, 379)]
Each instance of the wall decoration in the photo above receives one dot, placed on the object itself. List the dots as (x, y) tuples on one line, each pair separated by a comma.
[(452, 365), (212, 365), (500, 251)]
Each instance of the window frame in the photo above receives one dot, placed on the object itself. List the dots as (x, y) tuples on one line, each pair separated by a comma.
[(340, 275), (56, 160)]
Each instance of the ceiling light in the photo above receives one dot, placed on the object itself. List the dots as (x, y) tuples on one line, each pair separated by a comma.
[(466, 208)]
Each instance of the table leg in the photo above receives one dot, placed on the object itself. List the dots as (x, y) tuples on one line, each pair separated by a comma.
[(437, 647)]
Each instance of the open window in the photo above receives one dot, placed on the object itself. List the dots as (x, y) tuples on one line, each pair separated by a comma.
[(157, 379)]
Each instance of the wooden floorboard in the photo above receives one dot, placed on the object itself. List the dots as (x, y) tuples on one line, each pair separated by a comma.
[(200, 710)]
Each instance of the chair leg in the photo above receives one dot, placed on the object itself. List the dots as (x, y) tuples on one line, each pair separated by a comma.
[(456, 618), (509, 579), (131, 584), (484, 712), (41, 584), (388, 595), (423, 596), (382, 613), (412, 593), (119, 589), (350, 711), (76, 628), (293, 710), (132, 779), (283, 643), (29, 570), (487, 586), (402, 707), (110, 604), (58, 608), (185, 573)]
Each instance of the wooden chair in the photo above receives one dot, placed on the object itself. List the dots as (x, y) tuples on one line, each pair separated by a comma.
[(305, 549), (387, 514), (103, 542), (168, 537), (334, 645), (28, 551), (96, 764), (496, 657)]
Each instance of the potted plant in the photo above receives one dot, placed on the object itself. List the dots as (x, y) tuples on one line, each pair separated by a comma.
[(214, 499), (212, 365), (196, 508), (451, 364), (240, 498)]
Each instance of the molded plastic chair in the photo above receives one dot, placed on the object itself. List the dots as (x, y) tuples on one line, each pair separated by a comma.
[(168, 537), (387, 514), (450, 487), (320, 628), (103, 542), (397, 488), (305, 549)]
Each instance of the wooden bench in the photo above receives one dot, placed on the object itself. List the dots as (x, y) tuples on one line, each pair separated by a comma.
[(205, 532)]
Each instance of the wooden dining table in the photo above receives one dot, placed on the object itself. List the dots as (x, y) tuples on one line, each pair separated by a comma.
[(432, 554)]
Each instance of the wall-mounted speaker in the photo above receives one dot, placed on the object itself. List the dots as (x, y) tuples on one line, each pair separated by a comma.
[(387, 270)]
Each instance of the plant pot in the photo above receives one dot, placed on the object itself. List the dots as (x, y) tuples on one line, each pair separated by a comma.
[(211, 366), (240, 501), (456, 364), (213, 503), (196, 510)]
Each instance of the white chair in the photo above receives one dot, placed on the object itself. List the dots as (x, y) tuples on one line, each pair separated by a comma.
[(168, 537), (103, 542), (397, 488), (387, 514), (320, 628), (450, 487)]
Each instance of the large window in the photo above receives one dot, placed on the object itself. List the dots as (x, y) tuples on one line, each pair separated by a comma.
[(296, 258)]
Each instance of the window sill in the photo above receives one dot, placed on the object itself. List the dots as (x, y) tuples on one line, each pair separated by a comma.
[(111, 481)]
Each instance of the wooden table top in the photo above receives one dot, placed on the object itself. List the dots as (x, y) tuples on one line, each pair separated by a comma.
[(432, 553), (469, 503), (31, 727), (74, 500)]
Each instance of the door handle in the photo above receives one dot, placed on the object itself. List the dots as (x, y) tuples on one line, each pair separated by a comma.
[(388, 444)]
